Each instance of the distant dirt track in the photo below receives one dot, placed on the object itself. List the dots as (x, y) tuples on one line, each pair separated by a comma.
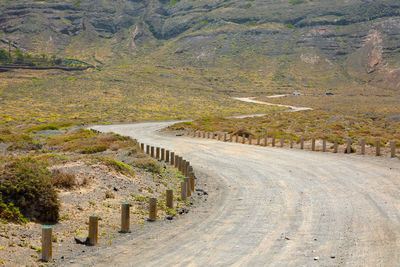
[(271, 207)]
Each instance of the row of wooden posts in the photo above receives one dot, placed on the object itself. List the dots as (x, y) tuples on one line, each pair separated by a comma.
[(231, 137), (187, 189)]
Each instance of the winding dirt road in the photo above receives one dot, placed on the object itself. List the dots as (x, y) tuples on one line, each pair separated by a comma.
[(270, 207), (252, 100)]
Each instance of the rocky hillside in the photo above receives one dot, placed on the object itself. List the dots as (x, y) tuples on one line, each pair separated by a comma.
[(295, 43)]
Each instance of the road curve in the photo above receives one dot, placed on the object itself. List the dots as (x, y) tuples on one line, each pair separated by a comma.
[(252, 100), (272, 207)]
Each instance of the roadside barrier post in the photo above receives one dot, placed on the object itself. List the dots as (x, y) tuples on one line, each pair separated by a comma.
[(183, 190), (163, 154), (125, 217), (157, 153), (188, 187), (250, 140), (392, 149), (302, 143), (273, 140), (208, 135), (291, 142), (335, 146), (182, 163), (348, 148), (230, 137), (93, 230), (225, 137), (243, 138), (282, 141), (194, 133), (258, 140), (176, 161), (187, 168), (313, 144), (236, 138), (142, 147), (173, 158), (170, 198), (378, 147), (167, 156), (47, 246), (153, 209), (192, 180), (265, 141), (324, 145), (148, 149), (363, 146), (152, 152)]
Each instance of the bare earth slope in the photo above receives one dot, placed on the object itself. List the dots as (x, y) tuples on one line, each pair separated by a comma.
[(273, 207)]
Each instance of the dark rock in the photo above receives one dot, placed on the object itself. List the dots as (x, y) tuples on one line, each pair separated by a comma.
[(81, 239), (183, 210), (169, 217)]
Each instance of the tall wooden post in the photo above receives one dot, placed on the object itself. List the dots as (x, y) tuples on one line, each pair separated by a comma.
[(170, 198), (157, 153), (152, 151), (363, 146), (183, 191), (153, 209), (176, 161), (93, 230), (148, 149), (392, 149), (188, 189), (173, 158), (47, 246), (192, 180), (125, 217), (163, 154)]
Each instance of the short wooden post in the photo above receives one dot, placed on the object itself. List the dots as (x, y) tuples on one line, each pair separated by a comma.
[(348, 147), (148, 149), (250, 140), (313, 144), (204, 134), (152, 152), (194, 133), (162, 154), (183, 191), (192, 180), (324, 145), (170, 198), (182, 165), (231, 137), (392, 149), (265, 141), (208, 135), (225, 137), (236, 138), (291, 142), (125, 217), (335, 146), (243, 138), (93, 230), (172, 158), (47, 246), (176, 161), (153, 209), (157, 153), (302, 143), (363, 146), (142, 147), (258, 140), (378, 147), (282, 141), (273, 140), (187, 168), (188, 188)]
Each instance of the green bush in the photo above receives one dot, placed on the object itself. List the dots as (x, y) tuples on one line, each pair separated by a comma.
[(26, 184), (10, 213)]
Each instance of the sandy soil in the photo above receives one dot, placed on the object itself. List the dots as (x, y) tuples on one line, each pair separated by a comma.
[(270, 207)]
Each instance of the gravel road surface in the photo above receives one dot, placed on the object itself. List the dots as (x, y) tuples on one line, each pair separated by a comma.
[(271, 207)]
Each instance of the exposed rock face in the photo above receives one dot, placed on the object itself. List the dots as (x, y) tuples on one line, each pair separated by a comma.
[(364, 34)]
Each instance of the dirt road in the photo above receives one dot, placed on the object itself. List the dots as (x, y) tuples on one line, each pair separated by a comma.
[(271, 207), (252, 100)]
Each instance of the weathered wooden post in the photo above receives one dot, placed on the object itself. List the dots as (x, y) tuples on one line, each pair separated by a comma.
[(157, 153), (225, 137), (153, 209), (125, 217), (313, 144), (176, 161), (348, 147), (363, 146), (192, 180), (188, 189), (243, 138), (142, 147), (265, 140), (335, 146), (231, 137), (236, 138), (208, 135), (258, 140), (163, 154), (182, 165), (170, 198), (392, 149), (324, 145), (273, 140), (282, 141), (302, 143), (93, 230), (152, 151), (173, 158), (378, 147), (187, 168), (194, 133), (47, 246), (250, 140), (148, 149), (183, 191), (291, 142)]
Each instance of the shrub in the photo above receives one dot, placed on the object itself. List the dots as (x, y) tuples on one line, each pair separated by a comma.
[(118, 166), (10, 213), (148, 164), (61, 179), (26, 183)]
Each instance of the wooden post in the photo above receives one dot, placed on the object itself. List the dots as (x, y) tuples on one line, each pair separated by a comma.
[(204, 134), (225, 137), (157, 153), (208, 135), (173, 158), (243, 138), (93, 230), (152, 152), (170, 198), (250, 140), (192, 180), (291, 142), (182, 163), (324, 145), (163, 154), (47, 246), (392, 149), (176, 161), (188, 187), (142, 147), (273, 140), (183, 190), (231, 137), (237, 138), (148, 149), (378, 147), (258, 140), (194, 133), (153, 209), (187, 168), (348, 148), (335, 146), (265, 141), (313, 144), (363, 146), (282, 141), (125, 217), (302, 143)]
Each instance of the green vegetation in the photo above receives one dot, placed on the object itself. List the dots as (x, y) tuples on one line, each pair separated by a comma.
[(297, 2), (118, 166)]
